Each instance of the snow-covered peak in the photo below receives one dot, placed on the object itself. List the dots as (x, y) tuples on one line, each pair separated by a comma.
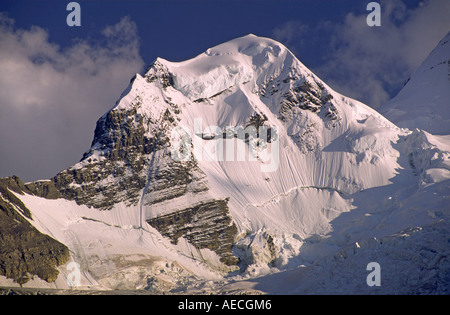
[(338, 173), (247, 59), (250, 45)]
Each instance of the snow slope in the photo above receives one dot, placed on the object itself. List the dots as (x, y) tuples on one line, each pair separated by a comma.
[(308, 188), (112, 251), (335, 180), (354, 155), (424, 101)]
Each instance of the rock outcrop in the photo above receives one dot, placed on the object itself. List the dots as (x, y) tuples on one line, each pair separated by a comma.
[(24, 251)]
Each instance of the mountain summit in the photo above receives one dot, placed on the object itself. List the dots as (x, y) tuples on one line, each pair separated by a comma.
[(237, 163)]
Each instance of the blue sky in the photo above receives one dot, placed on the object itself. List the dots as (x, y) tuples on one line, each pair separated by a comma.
[(166, 26), (56, 80)]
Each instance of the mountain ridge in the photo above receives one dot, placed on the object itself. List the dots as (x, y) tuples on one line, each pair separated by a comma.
[(423, 101), (238, 159)]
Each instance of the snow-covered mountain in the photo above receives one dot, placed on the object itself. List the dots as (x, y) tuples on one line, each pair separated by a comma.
[(209, 174), (424, 101)]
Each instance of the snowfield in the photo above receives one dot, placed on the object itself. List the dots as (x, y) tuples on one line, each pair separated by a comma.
[(341, 186)]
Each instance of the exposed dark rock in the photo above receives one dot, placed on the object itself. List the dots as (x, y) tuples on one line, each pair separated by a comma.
[(7, 185), (157, 72), (205, 225), (46, 189), (24, 251), (119, 173), (272, 249), (306, 96)]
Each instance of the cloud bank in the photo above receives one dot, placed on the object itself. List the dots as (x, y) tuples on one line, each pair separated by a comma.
[(51, 97)]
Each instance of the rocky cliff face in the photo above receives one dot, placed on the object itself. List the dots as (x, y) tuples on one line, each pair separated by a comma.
[(129, 161), (24, 251), (206, 225), (118, 172)]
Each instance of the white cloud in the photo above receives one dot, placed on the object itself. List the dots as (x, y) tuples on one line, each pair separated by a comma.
[(291, 34), (51, 97)]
